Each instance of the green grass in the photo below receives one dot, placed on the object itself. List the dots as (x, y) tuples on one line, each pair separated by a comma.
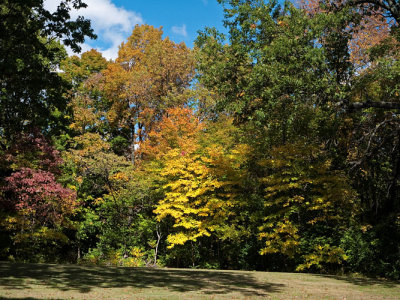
[(47, 281)]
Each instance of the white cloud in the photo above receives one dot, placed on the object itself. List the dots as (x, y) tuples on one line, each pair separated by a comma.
[(180, 30), (115, 38), (112, 24)]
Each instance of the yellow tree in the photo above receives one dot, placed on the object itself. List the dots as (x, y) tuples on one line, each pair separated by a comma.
[(200, 194), (202, 178), (305, 200)]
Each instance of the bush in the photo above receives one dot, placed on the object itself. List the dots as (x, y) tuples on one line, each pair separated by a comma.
[(373, 250)]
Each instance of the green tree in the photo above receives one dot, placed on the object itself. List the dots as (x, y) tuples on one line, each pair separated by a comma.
[(86, 99), (282, 75), (274, 68), (31, 92)]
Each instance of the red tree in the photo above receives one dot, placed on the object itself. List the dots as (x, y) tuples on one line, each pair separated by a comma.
[(38, 196)]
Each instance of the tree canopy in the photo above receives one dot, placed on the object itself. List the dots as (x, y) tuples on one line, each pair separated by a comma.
[(31, 51), (272, 147)]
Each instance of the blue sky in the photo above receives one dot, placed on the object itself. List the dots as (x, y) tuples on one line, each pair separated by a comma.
[(175, 15), (113, 20)]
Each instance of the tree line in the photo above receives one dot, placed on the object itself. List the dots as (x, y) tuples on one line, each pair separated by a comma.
[(274, 147)]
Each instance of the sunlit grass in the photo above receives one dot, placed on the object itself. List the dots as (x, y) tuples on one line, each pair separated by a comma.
[(46, 281)]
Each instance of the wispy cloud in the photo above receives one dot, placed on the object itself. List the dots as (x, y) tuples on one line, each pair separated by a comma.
[(111, 23), (205, 2), (180, 30)]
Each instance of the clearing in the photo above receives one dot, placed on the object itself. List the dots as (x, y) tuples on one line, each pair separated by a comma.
[(48, 281)]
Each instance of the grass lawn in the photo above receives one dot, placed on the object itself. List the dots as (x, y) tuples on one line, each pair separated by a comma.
[(47, 281)]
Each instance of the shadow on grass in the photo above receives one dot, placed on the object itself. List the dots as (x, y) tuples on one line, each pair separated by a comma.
[(28, 298), (362, 281), (84, 279)]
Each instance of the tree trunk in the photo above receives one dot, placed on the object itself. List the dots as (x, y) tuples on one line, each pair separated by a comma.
[(158, 243)]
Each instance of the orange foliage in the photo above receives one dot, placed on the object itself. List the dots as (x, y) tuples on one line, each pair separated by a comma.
[(138, 82), (177, 128)]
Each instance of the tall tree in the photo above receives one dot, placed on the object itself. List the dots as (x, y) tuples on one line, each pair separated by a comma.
[(86, 101), (367, 28), (274, 69), (31, 91), (148, 67), (371, 102)]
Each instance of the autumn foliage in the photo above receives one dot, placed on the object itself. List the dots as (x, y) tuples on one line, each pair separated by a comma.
[(177, 129), (148, 67), (272, 147), (38, 196)]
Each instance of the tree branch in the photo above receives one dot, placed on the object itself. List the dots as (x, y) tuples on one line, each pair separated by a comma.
[(392, 7), (383, 105), (368, 104)]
